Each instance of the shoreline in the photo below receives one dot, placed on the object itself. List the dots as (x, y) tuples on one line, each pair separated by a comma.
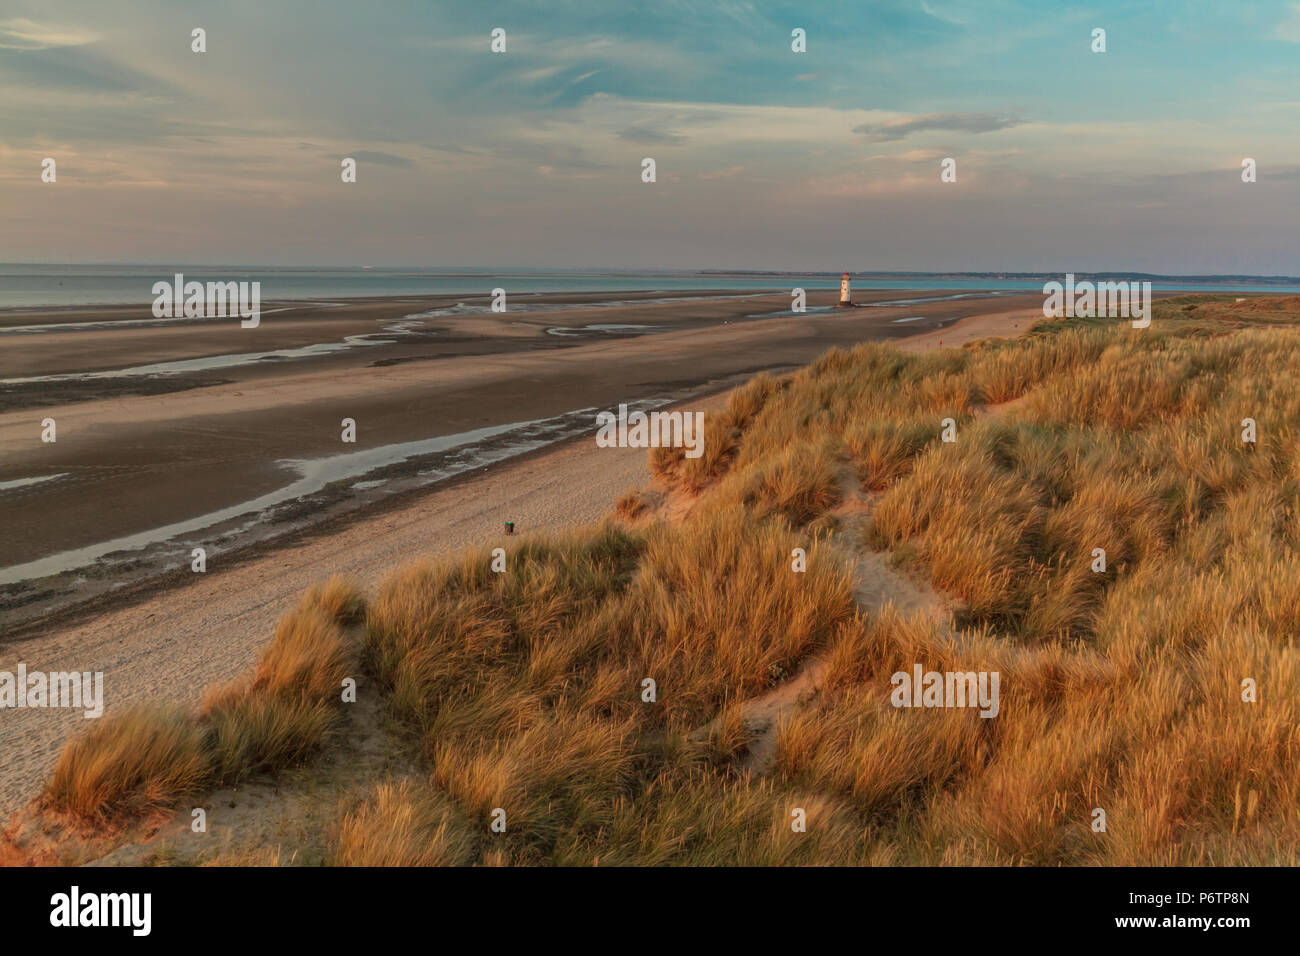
[(156, 581), (160, 583), (156, 553), (173, 453)]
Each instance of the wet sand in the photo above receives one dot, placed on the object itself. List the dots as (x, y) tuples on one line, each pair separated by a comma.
[(124, 465)]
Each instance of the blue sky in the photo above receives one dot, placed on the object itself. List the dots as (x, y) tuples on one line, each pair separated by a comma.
[(766, 159)]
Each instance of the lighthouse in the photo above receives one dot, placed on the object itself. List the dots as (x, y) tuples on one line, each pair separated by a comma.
[(846, 298)]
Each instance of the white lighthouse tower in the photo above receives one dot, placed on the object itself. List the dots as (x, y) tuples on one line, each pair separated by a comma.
[(846, 298)]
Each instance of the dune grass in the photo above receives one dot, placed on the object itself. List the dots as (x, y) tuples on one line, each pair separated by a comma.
[(148, 758), (396, 825), (592, 697), (130, 763), (529, 689)]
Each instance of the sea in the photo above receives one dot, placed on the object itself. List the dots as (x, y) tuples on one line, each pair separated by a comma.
[(52, 286)]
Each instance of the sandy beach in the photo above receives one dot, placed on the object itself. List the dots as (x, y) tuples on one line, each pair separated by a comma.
[(250, 423), (170, 636)]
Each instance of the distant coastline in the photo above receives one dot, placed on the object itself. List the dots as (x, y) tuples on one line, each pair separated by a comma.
[(1177, 281), (35, 286)]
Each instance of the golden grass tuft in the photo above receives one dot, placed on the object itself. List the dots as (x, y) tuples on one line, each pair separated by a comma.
[(145, 759), (130, 763), (631, 504), (399, 823)]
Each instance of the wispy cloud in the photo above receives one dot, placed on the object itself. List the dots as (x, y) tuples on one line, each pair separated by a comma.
[(651, 137), (23, 34), (383, 159), (896, 129), (943, 15), (1289, 27)]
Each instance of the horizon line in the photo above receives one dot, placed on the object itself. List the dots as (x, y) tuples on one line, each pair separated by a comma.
[(467, 270)]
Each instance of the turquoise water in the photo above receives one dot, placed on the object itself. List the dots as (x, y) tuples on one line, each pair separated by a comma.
[(33, 286)]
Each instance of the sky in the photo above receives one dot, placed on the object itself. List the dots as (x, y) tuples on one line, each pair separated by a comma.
[(1066, 159)]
